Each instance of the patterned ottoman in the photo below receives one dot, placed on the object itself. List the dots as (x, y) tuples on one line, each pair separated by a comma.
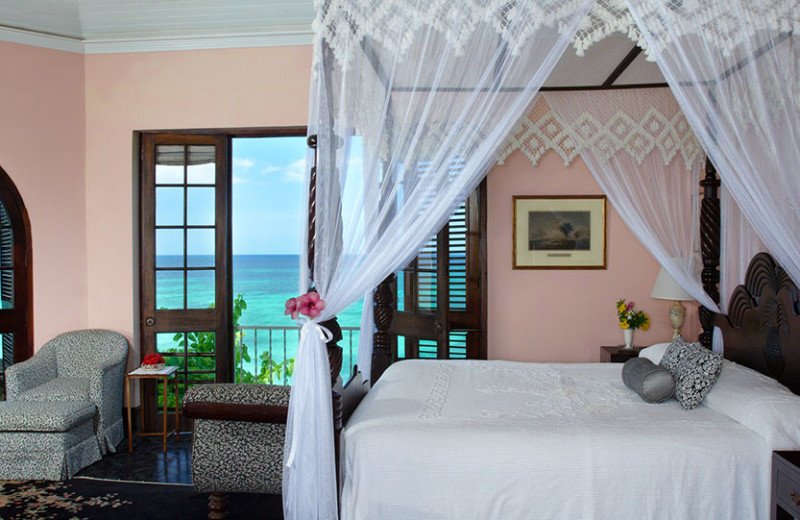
[(46, 440)]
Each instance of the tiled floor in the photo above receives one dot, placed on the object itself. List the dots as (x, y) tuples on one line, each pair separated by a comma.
[(146, 462)]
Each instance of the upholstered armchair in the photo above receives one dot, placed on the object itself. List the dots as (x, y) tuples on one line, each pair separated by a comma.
[(81, 365), (237, 445)]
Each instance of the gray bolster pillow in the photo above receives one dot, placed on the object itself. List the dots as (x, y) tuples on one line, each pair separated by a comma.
[(653, 383)]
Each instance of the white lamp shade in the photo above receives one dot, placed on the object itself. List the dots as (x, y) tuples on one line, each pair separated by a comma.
[(666, 288)]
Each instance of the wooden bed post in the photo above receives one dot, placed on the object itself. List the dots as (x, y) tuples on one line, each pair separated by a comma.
[(335, 361), (709, 248), (382, 341), (311, 141), (334, 350)]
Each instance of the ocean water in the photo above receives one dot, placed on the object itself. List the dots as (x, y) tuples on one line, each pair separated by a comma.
[(265, 282), (268, 281)]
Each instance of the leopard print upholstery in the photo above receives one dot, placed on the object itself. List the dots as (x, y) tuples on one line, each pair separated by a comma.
[(236, 393), (237, 456), (46, 440), (81, 365)]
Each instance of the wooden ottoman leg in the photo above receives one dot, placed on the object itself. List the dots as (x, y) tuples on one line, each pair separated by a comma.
[(217, 506)]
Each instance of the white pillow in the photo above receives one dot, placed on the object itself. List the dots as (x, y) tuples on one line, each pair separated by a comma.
[(758, 402), (654, 352)]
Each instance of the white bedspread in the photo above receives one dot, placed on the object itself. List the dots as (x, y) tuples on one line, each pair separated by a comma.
[(501, 440)]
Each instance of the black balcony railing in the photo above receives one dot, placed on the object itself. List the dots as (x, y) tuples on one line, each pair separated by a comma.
[(271, 351)]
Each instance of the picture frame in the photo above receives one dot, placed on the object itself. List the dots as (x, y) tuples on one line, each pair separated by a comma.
[(559, 232)]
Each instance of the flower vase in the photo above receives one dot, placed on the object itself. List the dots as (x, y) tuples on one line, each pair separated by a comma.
[(628, 333)]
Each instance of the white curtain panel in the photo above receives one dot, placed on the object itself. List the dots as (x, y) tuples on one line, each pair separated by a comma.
[(645, 158), (739, 243), (734, 67), (410, 100)]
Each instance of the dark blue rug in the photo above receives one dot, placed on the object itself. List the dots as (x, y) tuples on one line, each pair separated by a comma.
[(83, 498)]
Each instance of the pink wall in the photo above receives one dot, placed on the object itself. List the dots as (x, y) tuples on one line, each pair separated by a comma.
[(167, 90), (564, 315), (42, 128), (66, 129)]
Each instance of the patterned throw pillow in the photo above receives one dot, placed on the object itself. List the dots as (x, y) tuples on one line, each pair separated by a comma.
[(675, 352), (695, 370)]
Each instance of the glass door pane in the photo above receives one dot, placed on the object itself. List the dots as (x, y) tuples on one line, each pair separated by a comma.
[(194, 354), (185, 226)]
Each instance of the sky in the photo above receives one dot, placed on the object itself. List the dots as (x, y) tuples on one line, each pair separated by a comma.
[(268, 198), (268, 174)]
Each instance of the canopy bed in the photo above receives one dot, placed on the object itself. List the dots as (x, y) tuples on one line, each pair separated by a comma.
[(411, 100), (494, 439)]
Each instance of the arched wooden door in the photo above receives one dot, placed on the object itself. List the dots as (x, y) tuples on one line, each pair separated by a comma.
[(16, 282)]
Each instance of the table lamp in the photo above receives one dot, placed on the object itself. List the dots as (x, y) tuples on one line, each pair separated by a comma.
[(666, 288)]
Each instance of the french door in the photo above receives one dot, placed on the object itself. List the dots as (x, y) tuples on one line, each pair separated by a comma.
[(440, 296), (185, 260), (187, 252)]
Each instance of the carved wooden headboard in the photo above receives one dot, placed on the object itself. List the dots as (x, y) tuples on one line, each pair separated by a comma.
[(762, 329)]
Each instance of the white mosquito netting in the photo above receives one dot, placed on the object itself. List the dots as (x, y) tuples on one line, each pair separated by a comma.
[(643, 155), (734, 67), (409, 101), (411, 98)]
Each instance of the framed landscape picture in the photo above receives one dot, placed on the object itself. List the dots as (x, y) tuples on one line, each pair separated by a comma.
[(559, 232)]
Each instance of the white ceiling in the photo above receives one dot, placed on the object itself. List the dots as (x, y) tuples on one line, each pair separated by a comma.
[(113, 26), (109, 26)]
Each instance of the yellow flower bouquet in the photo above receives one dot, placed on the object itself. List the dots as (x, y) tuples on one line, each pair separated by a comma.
[(630, 318)]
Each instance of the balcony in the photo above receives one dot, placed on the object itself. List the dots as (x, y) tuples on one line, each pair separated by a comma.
[(271, 351), (262, 355)]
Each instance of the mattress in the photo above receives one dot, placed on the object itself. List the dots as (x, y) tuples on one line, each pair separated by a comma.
[(504, 440)]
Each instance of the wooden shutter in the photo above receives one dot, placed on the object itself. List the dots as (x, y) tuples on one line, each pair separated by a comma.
[(6, 279), (440, 310)]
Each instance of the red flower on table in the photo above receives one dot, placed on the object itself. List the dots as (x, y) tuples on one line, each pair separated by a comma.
[(153, 359)]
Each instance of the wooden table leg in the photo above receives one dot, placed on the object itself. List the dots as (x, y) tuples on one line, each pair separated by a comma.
[(130, 429), (177, 410), (141, 404), (164, 418)]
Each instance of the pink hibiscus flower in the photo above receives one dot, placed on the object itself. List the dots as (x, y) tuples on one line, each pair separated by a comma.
[(309, 304)]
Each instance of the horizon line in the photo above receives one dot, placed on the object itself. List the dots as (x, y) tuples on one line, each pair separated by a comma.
[(239, 254)]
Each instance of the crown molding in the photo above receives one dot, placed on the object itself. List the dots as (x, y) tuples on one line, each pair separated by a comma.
[(292, 36), (302, 36), (37, 39)]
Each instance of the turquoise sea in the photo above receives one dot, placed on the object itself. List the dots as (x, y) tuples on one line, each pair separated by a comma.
[(265, 282)]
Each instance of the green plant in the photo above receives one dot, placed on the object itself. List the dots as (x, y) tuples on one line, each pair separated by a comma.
[(274, 372)]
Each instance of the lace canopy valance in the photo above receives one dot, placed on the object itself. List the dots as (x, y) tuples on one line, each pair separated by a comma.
[(608, 124), (394, 23)]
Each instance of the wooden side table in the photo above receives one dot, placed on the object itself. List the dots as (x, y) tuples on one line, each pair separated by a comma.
[(618, 354), (163, 374), (785, 501)]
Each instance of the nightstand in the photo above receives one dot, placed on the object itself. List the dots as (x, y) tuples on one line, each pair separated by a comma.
[(618, 354), (785, 502)]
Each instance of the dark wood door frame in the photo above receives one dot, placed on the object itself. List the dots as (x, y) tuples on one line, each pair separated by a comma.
[(19, 320), (220, 318)]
